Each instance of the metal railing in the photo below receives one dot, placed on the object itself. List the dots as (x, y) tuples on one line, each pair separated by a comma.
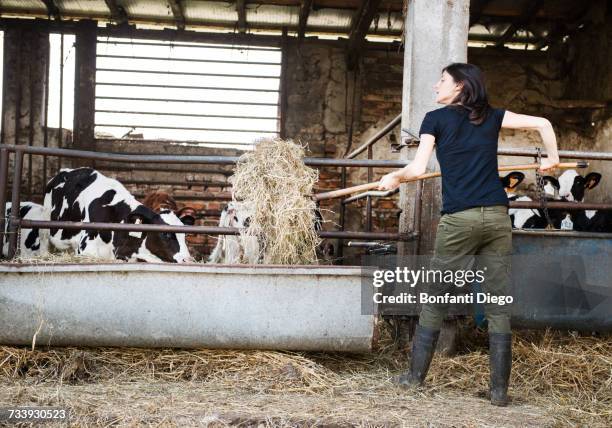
[(417, 208), (15, 223)]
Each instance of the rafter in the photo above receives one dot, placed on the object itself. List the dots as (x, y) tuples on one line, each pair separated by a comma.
[(305, 8), (559, 30), (179, 15), (117, 12), (360, 24), (530, 9), (52, 9), (242, 21), (477, 8)]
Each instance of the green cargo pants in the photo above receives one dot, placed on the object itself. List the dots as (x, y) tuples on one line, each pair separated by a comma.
[(483, 235)]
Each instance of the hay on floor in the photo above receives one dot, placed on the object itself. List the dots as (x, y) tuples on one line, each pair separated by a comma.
[(276, 186), (563, 378)]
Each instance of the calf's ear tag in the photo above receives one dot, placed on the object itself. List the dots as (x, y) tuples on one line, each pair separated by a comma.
[(136, 234)]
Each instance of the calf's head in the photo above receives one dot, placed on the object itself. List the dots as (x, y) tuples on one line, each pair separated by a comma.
[(512, 180), (573, 185), (551, 186), (153, 246), (162, 201)]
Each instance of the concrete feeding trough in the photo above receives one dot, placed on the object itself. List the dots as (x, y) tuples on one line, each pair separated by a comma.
[(310, 308)]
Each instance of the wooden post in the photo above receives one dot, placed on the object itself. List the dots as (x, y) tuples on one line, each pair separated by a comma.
[(85, 89)]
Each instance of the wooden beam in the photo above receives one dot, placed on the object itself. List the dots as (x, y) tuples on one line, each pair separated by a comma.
[(529, 10), (305, 8), (117, 12), (477, 8), (360, 24), (242, 20), (52, 9), (86, 41), (177, 11), (562, 29)]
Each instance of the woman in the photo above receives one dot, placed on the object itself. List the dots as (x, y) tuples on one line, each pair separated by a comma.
[(475, 218)]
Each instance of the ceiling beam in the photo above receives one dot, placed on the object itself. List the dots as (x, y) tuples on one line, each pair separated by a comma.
[(530, 9), (580, 16), (177, 11), (117, 12), (242, 20), (305, 8), (477, 8), (360, 24), (52, 9)]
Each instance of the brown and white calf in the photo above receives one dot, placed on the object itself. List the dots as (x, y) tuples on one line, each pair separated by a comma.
[(160, 201)]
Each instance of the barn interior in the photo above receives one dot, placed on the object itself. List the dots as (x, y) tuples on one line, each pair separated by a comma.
[(335, 82), (137, 85)]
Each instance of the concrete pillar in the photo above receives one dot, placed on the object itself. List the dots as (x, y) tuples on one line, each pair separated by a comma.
[(436, 34)]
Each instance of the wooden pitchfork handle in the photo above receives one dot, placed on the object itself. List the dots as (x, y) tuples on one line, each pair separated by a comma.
[(371, 186)]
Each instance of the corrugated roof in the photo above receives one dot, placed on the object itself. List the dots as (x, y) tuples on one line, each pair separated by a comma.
[(327, 16)]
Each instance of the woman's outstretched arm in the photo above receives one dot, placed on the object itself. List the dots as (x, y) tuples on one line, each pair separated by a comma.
[(417, 167), (544, 127)]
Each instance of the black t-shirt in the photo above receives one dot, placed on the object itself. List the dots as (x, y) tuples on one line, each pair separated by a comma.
[(467, 154)]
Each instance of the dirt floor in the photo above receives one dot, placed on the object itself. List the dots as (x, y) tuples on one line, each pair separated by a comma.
[(558, 380)]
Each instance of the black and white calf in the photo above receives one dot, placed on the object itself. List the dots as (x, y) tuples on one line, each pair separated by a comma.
[(531, 218), (573, 188), (85, 195), (33, 242), (236, 249), (520, 217)]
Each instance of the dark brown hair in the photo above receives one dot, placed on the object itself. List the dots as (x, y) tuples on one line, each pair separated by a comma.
[(473, 95)]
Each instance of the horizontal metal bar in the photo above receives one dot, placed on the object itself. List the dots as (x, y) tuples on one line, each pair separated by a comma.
[(155, 58), (374, 193), (368, 235), (184, 73), (161, 168), (189, 159), (219, 116), (208, 196), (213, 230), (571, 154), (356, 162), (185, 45), (212, 88), (170, 100), (571, 206), (204, 183), (562, 233), (380, 134), (129, 227), (366, 244), (162, 141), (184, 128)]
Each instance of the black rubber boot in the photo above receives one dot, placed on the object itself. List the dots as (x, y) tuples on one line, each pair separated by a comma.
[(423, 347), (500, 361)]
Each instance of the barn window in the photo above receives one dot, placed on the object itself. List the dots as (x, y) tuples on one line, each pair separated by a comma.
[(214, 95), (60, 107)]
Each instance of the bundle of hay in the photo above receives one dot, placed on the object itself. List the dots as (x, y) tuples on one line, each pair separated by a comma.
[(276, 186)]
